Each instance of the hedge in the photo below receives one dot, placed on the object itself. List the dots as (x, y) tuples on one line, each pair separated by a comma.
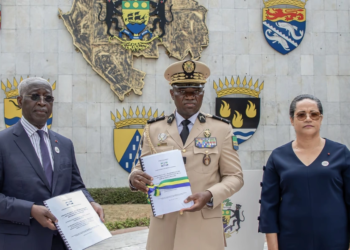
[(128, 223), (109, 196)]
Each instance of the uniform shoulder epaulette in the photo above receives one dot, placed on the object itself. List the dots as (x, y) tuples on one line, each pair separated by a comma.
[(160, 118), (202, 118), (171, 118), (220, 119)]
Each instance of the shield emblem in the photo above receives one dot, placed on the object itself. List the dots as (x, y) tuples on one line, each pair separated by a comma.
[(284, 29), (126, 148), (135, 15), (128, 134), (242, 112), (12, 112)]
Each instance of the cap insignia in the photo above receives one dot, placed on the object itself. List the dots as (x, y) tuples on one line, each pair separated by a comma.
[(189, 67)]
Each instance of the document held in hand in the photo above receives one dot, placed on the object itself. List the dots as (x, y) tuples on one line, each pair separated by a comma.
[(78, 223), (171, 185)]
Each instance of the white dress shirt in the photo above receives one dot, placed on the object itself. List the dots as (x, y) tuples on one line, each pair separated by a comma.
[(35, 138), (179, 119)]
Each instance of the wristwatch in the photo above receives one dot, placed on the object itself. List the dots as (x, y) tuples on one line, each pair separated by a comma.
[(210, 202)]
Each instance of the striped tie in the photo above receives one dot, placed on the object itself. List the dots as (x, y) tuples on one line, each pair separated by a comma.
[(45, 157)]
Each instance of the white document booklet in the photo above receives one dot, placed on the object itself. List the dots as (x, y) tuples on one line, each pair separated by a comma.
[(171, 185), (78, 223)]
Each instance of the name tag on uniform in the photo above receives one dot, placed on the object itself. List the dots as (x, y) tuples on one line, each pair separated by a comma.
[(205, 142)]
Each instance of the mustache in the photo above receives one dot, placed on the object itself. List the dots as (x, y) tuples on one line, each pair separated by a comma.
[(41, 110)]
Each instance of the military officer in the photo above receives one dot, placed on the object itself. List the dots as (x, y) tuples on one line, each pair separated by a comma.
[(212, 164)]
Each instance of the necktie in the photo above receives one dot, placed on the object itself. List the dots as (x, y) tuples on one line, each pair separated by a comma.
[(45, 157), (185, 131)]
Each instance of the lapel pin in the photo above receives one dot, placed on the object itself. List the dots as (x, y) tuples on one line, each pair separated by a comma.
[(207, 133), (162, 137), (329, 153), (325, 163), (57, 150), (56, 141)]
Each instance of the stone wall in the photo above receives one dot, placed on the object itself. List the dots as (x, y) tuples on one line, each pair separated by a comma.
[(35, 42)]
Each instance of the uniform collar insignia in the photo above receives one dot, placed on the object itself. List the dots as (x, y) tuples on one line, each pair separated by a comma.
[(171, 119), (201, 118)]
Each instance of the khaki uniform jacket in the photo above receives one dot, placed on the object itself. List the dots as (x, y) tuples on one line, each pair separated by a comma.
[(223, 177)]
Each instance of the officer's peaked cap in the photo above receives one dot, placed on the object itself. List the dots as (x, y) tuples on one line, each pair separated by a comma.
[(187, 72)]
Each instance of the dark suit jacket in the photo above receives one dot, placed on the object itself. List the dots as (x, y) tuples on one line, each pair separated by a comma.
[(23, 183)]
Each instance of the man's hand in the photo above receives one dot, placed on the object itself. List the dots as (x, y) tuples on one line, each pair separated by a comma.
[(200, 200), (139, 180), (99, 210), (44, 217)]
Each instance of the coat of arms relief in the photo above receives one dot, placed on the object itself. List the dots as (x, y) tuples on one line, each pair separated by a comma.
[(110, 33)]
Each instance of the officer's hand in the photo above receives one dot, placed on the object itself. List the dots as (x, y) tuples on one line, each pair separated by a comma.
[(99, 210), (139, 179), (44, 217), (200, 200)]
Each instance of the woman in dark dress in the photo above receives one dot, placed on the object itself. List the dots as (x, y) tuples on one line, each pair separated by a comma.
[(305, 198)]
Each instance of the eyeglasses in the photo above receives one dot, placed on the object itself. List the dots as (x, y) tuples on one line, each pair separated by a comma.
[(184, 92), (37, 98), (314, 115)]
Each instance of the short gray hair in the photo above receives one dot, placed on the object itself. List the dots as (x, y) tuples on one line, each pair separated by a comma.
[(299, 98), (28, 81)]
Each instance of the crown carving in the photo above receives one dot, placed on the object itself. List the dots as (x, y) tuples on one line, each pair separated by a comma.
[(11, 90), (298, 3), (236, 87), (133, 118)]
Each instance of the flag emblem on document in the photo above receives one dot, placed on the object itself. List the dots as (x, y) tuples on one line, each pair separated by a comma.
[(284, 28)]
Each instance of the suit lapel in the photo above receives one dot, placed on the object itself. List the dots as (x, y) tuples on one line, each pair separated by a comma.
[(195, 131), (174, 133), (23, 142), (56, 159)]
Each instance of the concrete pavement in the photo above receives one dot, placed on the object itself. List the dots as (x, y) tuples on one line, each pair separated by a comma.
[(128, 241)]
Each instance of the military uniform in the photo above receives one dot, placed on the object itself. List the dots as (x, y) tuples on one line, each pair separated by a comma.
[(216, 169)]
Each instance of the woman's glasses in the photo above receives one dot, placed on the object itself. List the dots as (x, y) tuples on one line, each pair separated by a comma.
[(314, 115), (37, 98)]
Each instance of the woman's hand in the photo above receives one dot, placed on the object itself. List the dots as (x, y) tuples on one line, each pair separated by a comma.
[(272, 241)]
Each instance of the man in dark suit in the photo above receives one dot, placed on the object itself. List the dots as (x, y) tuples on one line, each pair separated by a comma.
[(35, 165)]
